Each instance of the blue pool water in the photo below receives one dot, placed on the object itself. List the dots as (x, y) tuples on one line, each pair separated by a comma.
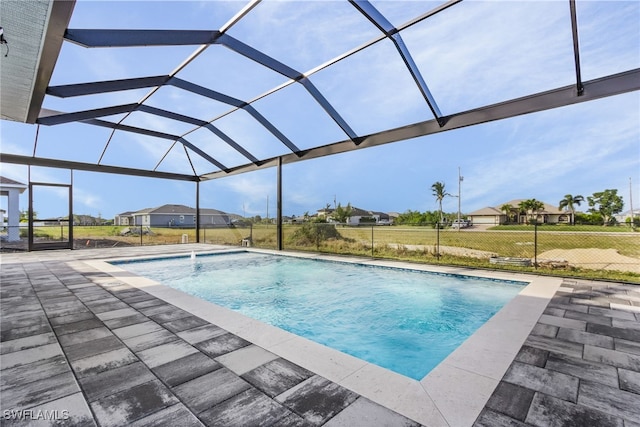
[(403, 320)]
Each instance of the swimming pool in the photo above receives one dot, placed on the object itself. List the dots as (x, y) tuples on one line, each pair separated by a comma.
[(404, 320)]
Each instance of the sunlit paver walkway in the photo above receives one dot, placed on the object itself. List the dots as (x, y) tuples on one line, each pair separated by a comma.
[(89, 349), (580, 366)]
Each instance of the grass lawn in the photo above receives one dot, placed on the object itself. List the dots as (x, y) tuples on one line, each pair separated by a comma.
[(512, 242), (563, 227)]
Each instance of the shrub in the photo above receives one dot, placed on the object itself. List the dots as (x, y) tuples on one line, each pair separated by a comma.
[(312, 233)]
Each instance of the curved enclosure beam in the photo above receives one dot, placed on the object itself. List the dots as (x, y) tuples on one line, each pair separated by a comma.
[(616, 84), (93, 88), (138, 38), (379, 20), (79, 116)]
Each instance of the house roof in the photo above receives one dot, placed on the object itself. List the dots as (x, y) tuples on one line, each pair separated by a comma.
[(173, 209), (486, 211), (489, 210), (550, 209), (8, 182)]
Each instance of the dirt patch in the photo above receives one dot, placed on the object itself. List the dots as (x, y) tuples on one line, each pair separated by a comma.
[(594, 259), (449, 250)]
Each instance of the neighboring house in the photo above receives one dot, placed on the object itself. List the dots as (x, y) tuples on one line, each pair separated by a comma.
[(494, 216), (358, 216), (12, 190), (173, 216), (125, 218), (488, 215), (624, 216)]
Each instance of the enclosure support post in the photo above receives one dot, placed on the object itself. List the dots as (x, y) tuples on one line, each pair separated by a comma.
[(71, 210), (197, 211), (279, 207)]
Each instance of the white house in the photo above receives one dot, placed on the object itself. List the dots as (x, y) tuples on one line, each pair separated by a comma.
[(624, 216), (12, 190), (492, 215)]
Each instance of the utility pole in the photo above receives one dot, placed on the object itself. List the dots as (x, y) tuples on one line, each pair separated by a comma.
[(631, 201), (460, 179)]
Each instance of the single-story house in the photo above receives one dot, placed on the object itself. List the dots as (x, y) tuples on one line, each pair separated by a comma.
[(492, 215), (173, 216), (358, 216), (624, 216)]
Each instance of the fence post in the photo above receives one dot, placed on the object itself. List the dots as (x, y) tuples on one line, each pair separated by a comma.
[(372, 256), (535, 245), (437, 240)]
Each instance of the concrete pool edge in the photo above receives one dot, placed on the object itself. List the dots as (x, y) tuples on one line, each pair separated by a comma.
[(469, 375)]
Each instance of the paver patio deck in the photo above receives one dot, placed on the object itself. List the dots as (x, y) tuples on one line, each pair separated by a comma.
[(90, 349)]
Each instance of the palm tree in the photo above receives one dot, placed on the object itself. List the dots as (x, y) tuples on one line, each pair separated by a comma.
[(568, 202), (439, 192), (507, 209), (531, 208)]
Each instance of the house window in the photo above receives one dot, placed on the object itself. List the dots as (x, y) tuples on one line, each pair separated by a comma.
[(181, 219), (194, 219)]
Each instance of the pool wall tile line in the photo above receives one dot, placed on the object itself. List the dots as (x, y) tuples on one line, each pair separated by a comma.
[(482, 359)]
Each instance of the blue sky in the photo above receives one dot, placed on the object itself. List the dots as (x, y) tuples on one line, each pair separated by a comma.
[(473, 54)]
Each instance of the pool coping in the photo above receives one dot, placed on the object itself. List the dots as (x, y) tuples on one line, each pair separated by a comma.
[(453, 393)]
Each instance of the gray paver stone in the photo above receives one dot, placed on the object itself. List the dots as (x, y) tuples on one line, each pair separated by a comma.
[(102, 362), (124, 407), (555, 345), (582, 337), (532, 356), (489, 418), (547, 411), (186, 368), (249, 408), (554, 383), (583, 369), (92, 348), (175, 415), (629, 380), (115, 380), (610, 400), (34, 393), (625, 334), (511, 400), (143, 342), (222, 345), (164, 353), (210, 389), (615, 358), (317, 399), (185, 323), (277, 376), (137, 329)]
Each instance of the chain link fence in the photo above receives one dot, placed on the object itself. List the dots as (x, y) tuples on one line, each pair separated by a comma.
[(613, 253)]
